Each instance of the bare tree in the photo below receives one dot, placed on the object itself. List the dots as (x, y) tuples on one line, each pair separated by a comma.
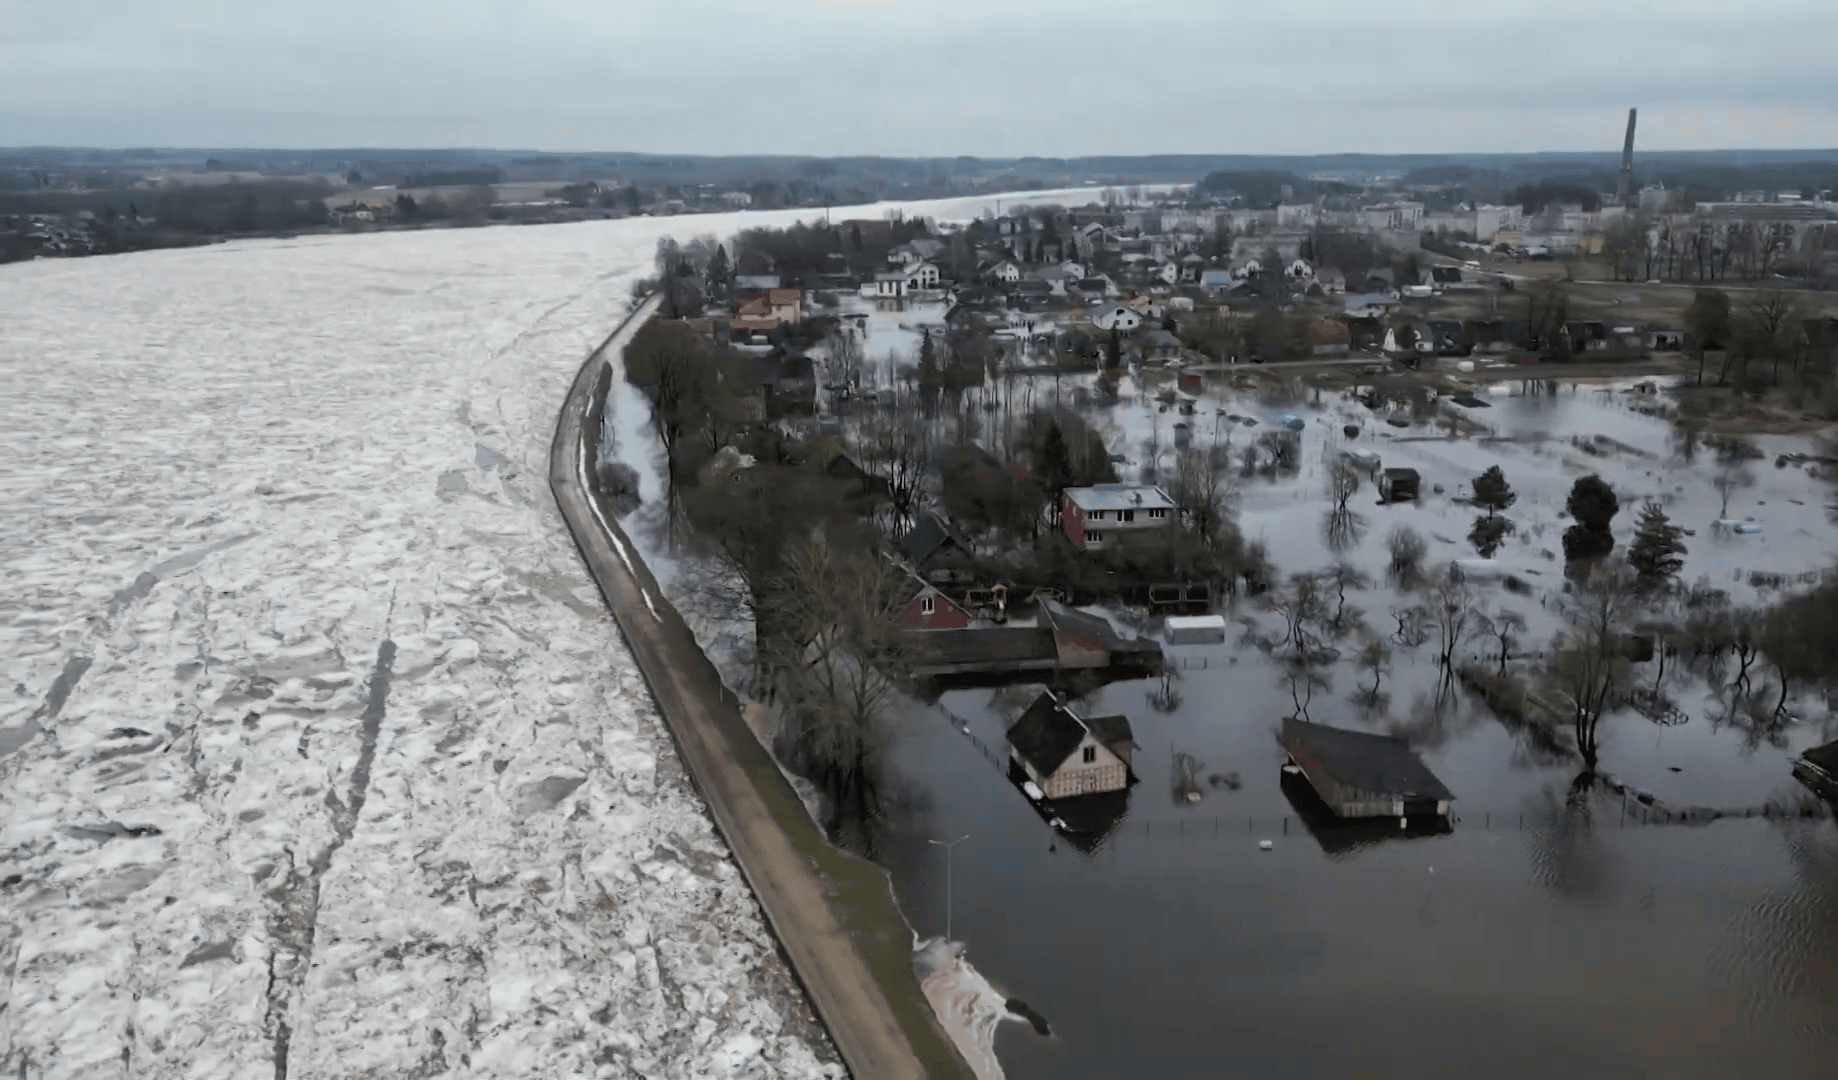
[(1338, 579), (1407, 549), (837, 660), (1501, 627), (1451, 609), (1203, 493), (898, 446), (1591, 663), (1301, 605), (1304, 679), (1413, 626), (1375, 657), (1729, 480)]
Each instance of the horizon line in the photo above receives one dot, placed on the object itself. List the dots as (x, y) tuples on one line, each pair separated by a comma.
[(1607, 152)]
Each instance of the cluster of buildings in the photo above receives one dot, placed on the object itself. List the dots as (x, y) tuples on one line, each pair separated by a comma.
[(81, 232)]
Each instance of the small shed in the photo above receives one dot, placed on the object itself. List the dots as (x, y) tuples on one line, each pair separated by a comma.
[(1359, 775), (1398, 485), (1067, 754), (1195, 629)]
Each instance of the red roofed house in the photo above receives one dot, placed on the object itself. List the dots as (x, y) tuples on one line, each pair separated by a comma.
[(930, 609)]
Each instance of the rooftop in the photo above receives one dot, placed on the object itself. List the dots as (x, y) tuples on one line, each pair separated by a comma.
[(1376, 763), (1049, 731), (1120, 497)]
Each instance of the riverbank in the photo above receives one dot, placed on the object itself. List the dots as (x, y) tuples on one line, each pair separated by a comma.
[(834, 914)]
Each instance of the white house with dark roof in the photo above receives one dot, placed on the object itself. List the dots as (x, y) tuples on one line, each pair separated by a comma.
[(1066, 754), (1006, 272), (1095, 517), (922, 275)]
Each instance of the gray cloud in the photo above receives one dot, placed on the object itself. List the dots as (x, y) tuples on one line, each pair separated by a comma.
[(1048, 77)]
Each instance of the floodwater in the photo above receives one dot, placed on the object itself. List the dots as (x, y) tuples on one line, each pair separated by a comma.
[(1544, 935), (1547, 933)]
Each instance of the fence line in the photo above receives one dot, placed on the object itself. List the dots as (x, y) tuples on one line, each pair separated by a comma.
[(962, 727), (1633, 815)]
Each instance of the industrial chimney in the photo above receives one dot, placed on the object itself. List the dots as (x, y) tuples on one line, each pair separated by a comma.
[(1624, 191)]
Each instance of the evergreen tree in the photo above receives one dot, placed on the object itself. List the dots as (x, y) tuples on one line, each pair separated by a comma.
[(1488, 534), (1593, 504), (1707, 324), (1114, 355), (1491, 491), (718, 266), (1055, 463), (1655, 554)]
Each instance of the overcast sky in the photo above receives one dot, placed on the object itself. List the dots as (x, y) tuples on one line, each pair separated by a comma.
[(993, 78)]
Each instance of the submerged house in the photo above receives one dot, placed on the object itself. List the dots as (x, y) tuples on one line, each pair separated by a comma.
[(1359, 775), (1066, 754), (1398, 485), (1817, 768)]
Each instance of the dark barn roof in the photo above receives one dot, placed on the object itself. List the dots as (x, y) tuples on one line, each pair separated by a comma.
[(1375, 763)]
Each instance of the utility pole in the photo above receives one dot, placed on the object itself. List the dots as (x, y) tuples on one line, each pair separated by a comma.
[(948, 845)]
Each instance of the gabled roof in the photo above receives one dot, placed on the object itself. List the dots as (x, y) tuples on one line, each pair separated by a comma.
[(1049, 731), (1076, 623), (928, 537), (1376, 763)]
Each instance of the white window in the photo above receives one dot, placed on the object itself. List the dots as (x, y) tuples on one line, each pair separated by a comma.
[(1126, 515), (1157, 515), (926, 607), (1094, 538), (1097, 515), (1090, 756)]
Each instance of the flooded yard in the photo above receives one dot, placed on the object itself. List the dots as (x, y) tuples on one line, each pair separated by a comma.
[(1547, 933), (1550, 929)]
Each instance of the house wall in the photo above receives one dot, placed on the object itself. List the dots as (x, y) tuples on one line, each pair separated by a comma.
[(1106, 523), (1107, 773), (944, 616), (1347, 801), (1072, 521)]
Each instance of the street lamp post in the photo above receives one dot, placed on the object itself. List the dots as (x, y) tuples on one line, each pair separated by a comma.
[(948, 845)]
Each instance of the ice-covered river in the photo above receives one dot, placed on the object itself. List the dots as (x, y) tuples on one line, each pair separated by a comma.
[(318, 747)]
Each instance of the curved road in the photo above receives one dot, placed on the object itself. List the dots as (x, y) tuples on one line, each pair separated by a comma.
[(823, 931)]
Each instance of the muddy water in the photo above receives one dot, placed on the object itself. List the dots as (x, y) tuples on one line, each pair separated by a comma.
[(1551, 932)]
